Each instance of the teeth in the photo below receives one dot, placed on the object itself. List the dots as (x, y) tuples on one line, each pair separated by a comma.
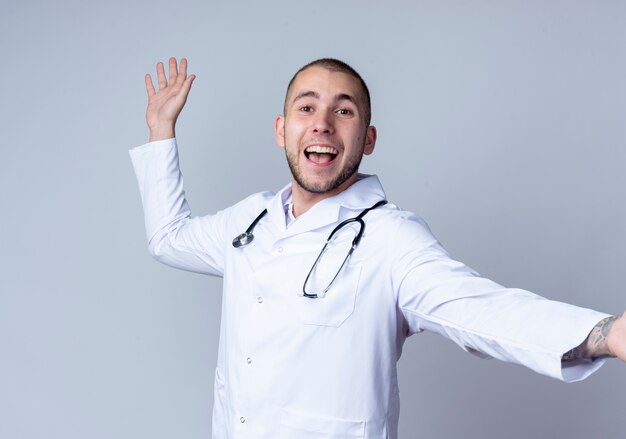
[(322, 149)]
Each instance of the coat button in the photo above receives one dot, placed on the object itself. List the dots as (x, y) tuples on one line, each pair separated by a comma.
[(259, 299), (242, 419), (249, 360), (280, 249)]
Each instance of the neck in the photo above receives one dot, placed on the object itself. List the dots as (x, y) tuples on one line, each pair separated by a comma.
[(304, 200)]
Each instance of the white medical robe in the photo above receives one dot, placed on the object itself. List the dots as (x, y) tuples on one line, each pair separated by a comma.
[(299, 368)]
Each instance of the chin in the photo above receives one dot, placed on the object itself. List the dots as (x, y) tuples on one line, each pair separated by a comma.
[(333, 184)]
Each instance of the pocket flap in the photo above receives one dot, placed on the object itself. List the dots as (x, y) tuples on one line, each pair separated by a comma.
[(304, 426)]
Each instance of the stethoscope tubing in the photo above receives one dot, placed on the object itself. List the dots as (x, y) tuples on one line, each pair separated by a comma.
[(247, 237)]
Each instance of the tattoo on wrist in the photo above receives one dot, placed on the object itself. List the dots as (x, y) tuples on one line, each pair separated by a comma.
[(595, 345), (573, 354)]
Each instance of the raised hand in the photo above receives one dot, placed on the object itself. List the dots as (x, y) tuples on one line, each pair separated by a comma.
[(165, 105)]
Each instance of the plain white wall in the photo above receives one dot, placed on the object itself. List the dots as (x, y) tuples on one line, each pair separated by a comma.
[(500, 122)]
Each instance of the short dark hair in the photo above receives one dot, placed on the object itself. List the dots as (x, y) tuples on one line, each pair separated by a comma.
[(335, 65)]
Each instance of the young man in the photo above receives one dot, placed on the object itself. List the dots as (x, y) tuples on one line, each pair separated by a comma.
[(311, 333)]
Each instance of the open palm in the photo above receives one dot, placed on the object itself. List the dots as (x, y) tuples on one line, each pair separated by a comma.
[(165, 105)]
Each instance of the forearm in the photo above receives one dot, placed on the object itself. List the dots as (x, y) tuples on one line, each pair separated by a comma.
[(596, 344), (174, 237)]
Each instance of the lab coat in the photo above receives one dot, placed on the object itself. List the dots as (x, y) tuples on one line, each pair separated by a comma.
[(299, 368)]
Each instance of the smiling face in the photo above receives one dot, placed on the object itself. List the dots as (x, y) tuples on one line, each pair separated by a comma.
[(324, 132)]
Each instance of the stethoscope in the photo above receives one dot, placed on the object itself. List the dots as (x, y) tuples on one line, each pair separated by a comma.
[(247, 237)]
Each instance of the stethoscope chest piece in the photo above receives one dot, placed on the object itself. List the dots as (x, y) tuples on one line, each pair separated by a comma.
[(243, 239), (247, 237)]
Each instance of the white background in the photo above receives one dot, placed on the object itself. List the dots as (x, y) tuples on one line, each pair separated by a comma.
[(500, 122)]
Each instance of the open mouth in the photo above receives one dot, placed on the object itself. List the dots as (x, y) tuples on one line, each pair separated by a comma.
[(320, 154)]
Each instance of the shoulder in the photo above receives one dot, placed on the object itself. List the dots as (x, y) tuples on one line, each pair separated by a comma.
[(406, 225), (404, 234), (249, 207), (255, 201)]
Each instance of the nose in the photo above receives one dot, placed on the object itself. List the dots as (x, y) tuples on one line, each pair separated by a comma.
[(323, 123)]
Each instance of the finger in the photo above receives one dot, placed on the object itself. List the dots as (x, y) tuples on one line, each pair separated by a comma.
[(161, 76), (187, 85), (149, 85), (173, 69), (184, 89), (182, 74)]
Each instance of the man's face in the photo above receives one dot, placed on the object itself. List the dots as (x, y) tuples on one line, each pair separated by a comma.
[(323, 131)]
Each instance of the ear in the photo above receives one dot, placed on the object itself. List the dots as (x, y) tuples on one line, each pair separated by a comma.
[(370, 140), (279, 130)]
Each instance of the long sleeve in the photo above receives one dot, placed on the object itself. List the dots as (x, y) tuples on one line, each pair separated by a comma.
[(174, 237), (439, 294)]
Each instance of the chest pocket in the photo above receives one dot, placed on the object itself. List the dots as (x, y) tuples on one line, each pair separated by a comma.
[(337, 305)]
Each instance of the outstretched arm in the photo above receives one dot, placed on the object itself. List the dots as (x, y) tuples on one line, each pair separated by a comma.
[(606, 339), (165, 105)]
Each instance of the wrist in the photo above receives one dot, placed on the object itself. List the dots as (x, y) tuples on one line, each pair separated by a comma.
[(161, 133), (600, 339), (599, 342), (616, 335)]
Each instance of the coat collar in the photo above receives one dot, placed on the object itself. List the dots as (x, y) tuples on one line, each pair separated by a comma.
[(363, 194)]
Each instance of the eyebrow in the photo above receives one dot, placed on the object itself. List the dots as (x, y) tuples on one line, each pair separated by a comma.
[(316, 95)]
